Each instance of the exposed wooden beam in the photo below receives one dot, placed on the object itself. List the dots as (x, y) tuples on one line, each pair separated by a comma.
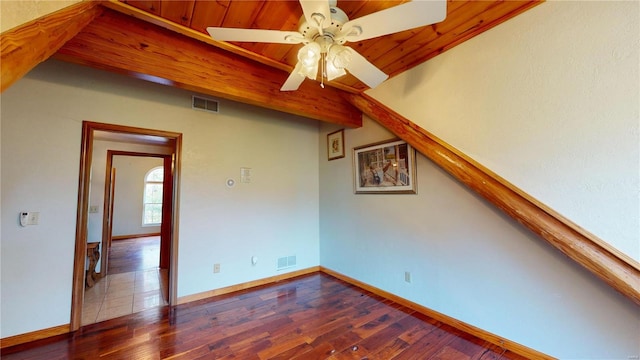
[(616, 269), (129, 10), (123, 44), (24, 47), (146, 16)]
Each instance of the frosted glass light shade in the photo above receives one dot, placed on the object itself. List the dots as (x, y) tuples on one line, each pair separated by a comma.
[(338, 58), (309, 55)]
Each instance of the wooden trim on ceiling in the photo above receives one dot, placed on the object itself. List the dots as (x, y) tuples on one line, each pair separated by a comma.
[(27, 45), (616, 269), (126, 45), (481, 27), (129, 10), (132, 11)]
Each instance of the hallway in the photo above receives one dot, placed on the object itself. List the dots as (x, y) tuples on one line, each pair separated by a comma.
[(134, 282)]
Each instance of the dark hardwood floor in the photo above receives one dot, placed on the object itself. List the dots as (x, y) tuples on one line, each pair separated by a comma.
[(134, 254), (310, 317)]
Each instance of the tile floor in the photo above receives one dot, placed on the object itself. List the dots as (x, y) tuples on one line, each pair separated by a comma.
[(122, 294)]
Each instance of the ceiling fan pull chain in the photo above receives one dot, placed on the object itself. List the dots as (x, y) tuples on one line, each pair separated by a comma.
[(324, 69)]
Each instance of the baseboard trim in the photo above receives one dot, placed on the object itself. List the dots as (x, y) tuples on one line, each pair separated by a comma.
[(482, 334), (247, 285), (134, 236), (33, 336)]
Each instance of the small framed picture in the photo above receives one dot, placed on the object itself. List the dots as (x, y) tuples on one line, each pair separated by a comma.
[(335, 145), (387, 167)]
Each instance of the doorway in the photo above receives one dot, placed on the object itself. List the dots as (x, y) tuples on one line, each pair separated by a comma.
[(168, 244), (131, 277)]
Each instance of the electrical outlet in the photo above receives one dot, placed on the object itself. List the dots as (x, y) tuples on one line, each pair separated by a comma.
[(407, 276), (216, 268)]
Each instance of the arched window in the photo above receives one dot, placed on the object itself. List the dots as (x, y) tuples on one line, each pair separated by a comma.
[(152, 201)]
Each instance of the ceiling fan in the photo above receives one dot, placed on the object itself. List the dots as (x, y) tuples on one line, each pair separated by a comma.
[(324, 29)]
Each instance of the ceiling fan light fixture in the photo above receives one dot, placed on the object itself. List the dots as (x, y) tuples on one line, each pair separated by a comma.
[(333, 72), (309, 55), (324, 28), (338, 58)]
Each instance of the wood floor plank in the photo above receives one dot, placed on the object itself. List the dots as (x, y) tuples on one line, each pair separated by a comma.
[(311, 317)]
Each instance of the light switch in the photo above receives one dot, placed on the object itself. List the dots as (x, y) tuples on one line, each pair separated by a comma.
[(245, 175), (29, 218)]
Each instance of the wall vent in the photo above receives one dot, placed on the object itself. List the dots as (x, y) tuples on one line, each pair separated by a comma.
[(286, 262), (204, 104)]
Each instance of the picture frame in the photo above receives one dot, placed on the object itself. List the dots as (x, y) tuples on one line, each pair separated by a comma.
[(335, 145), (387, 167)]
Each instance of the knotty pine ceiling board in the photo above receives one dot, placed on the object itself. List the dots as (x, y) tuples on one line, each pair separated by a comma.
[(180, 12), (152, 6), (207, 13), (393, 53)]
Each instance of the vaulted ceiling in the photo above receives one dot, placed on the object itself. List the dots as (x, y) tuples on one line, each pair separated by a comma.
[(166, 42), (392, 53)]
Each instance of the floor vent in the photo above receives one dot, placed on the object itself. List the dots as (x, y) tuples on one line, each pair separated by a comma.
[(204, 104), (286, 262)]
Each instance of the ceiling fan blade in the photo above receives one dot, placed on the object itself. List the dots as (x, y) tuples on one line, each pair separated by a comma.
[(255, 35), (294, 80), (395, 19), (365, 71), (311, 7)]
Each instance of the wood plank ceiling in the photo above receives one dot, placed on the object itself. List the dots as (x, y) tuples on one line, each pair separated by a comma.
[(393, 53)]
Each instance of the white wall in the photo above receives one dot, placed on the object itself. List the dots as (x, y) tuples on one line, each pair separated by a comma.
[(274, 215), (129, 192), (550, 101), (468, 261)]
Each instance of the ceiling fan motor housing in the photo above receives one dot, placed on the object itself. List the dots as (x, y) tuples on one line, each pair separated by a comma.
[(331, 28)]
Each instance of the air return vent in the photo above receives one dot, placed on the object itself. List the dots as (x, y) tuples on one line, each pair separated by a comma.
[(286, 262), (204, 104)]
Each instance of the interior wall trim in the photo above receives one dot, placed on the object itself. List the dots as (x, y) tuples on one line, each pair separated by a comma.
[(460, 325), (482, 334), (612, 266), (34, 335), (247, 285), (134, 236)]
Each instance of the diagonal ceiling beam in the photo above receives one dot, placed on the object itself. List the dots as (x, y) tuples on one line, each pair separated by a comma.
[(616, 269), (123, 44), (27, 45)]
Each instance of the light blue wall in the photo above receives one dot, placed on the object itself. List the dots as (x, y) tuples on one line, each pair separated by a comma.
[(468, 261), (273, 216)]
